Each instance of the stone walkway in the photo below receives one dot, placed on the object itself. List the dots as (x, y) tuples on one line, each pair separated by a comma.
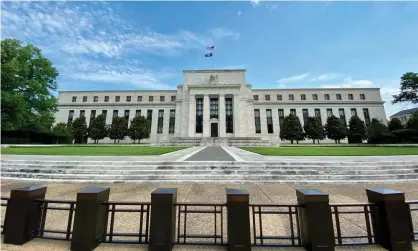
[(211, 153)]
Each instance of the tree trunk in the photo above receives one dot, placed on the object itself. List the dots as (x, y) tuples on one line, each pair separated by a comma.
[(318, 141), (313, 140), (139, 141), (134, 141), (114, 141), (57, 141), (297, 141), (118, 141), (291, 141), (336, 142)]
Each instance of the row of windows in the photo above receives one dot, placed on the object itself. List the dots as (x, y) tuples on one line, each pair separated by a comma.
[(128, 98), (214, 113), (305, 115), (314, 97), (126, 116)]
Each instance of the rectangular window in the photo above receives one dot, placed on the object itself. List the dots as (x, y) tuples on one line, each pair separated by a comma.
[(172, 121), (92, 115), (279, 97), (199, 115), (281, 117), (255, 97), (104, 112), (315, 96), (291, 97), (362, 96), (350, 96), (366, 116), (229, 115), (95, 98), (302, 97), (151, 98), (138, 113), (82, 113), (267, 97), (326, 96), (257, 121), (74, 99), (173, 98), (84, 98), (70, 117), (305, 114), (106, 98), (293, 111), (338, 96), (160, 121), (128, 98), (329, 113), (115, 113), (342, 116), (139, 99), (117, 98), (269, 121), (353, 112), (318, 114), (162, 98), (126, 117), (149, 118), (214, 108)]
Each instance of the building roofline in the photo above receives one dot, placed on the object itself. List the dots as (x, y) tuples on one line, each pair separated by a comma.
[(212, 71), (101, 91), (310, 89)]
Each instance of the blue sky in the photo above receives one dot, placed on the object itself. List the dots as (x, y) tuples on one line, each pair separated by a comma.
[(146, 45)]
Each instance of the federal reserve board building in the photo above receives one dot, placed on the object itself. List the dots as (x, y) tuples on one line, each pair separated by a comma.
[(220, 106)]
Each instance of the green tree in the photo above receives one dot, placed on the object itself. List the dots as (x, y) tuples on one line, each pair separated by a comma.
[(117, 129), (314, 129), (335, 129), (61, 130), (377, 131), (138, 129), (395, 124), (97, 128), (356, 127), (292, 129), (79, 129), (409, 89), (413, 122), (27, 82)]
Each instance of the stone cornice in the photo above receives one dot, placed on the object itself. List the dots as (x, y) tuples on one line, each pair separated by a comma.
[(213, 71), (317, 89), (173, 103), (319, 102), (209, 86)]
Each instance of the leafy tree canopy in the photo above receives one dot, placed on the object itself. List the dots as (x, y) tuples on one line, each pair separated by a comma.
[(97, 128), (356, 126), (395, 124), (138, 129), (27, 82), (61, 130), (335, 129), (292, 129), (376, 130), (79, 129), (413, 122), (409, 89), (313, 129), (117, 130)]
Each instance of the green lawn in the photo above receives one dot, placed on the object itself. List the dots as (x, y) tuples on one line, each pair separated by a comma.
[(333, 151), (90, 150)]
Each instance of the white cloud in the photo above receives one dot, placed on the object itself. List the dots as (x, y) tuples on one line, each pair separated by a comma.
[(255, 3), (350, 83), (239, 13), (292, 78), (325, 77), (221, 33)]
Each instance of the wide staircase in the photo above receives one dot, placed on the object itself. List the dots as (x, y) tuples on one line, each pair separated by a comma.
[(218, 141), (289, 171)]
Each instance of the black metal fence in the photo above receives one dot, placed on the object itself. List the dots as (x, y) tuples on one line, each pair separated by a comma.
[(413, 216)]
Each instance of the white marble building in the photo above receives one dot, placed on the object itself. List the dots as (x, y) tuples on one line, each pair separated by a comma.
[(220, 103)]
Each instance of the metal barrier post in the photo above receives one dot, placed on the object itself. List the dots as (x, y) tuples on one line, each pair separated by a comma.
[(23, 214), (163, 219), (390, 219), (315, 220), (238, 218), (89, 220)]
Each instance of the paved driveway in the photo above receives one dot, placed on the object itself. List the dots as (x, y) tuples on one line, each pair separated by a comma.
[(211, 153)]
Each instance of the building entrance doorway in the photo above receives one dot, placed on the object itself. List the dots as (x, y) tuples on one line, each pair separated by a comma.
[(214, 130)]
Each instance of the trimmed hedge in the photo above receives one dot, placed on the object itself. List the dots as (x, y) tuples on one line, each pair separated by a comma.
[(406, 135)]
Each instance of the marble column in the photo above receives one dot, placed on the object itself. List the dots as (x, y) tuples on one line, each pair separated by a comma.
[(222, 116), (192, 115), (206, 112)]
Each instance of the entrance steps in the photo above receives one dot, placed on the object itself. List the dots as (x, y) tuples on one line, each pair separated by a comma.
[(297, 171), (218, 141)]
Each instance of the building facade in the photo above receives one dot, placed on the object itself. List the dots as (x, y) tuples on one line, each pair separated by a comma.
[(404, 115), (220, 103)]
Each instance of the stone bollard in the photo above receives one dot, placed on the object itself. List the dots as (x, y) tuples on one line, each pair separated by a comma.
[(90, 219), (163, 219), (23, 214), (390, 219), (315, 220), (238, 219)]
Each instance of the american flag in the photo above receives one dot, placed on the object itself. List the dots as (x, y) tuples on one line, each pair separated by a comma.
[(210, 47)]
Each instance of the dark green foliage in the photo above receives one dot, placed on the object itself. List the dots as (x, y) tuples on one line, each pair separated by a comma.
[(409, 89), (314, 129), (413, 122), (138, 129), (356, 128), (117, 129), (79, 130), (97, 128), (395, 124), (292, 129), (335, 129), (27, 83), (62, 132), (406, 135), (377, 132)]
